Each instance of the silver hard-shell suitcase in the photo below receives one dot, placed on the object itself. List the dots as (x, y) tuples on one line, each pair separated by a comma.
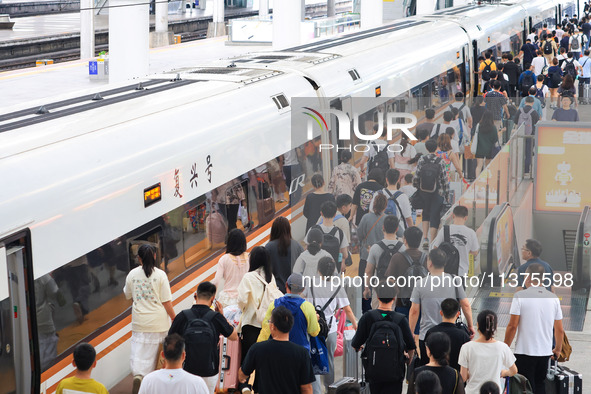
[(352, 368)]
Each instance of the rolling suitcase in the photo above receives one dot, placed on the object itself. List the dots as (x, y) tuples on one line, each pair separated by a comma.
[(229, 365), (562, 380), (351, 367), (586, 93)]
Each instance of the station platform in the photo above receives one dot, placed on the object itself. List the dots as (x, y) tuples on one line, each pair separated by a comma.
[(22, 86)]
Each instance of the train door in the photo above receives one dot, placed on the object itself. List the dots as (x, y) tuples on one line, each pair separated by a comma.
[(18, 368), (465, 74)]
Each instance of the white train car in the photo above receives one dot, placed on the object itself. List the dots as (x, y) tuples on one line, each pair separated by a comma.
[(87, 179)]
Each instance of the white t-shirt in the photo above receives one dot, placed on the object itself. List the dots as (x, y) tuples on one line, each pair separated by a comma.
[(371, 152), (177, 381), (539, 63), (575, 62), (403, 202), (531, 36), (485, 361), (559, 33), (545, 90), (537, 309), (579, 37), (321, 296), (464, 239), (148, 294), (409, 190), (455, 147), (409, 153)]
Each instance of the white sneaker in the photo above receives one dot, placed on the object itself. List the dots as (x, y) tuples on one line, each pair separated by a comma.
[(426, 244)]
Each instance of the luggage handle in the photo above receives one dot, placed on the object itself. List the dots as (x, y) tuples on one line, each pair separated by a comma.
[(552, 369), (226, 362)]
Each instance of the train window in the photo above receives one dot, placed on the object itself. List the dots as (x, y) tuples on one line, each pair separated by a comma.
[(82, 296), (196, 239)]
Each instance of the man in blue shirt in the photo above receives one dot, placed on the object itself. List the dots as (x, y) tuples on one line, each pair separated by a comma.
[(531, 78), (537, 105), (531, 252)]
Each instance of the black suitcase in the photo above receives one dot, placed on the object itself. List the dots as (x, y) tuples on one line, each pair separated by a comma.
[(563, 380)]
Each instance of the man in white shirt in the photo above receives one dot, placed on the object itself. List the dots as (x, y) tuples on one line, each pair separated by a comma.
[(461, 236), (464, 110), (397, 201), (539, 63), (173, 378), (535, 312)]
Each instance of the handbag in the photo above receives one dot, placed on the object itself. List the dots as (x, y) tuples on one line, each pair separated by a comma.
[(566, 350), (340, 333), (474, 143), (319, 355)]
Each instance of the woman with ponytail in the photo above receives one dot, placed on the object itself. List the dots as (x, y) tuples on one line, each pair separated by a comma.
[(307, 263), (438, 346), (486, 359), (149, 288)]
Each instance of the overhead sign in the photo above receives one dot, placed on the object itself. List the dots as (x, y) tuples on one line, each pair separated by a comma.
[(562, 167)]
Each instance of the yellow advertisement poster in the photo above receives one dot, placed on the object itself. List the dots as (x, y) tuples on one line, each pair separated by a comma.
[(562, 177)]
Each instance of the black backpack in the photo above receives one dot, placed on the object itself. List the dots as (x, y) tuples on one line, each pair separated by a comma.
[(384, 261), (548, 48), (416, 269), (383, 355), (452, 263), (526, 83), (201, 344), (428, 178), (331, 243), (322, 322), (486, 70), (540, 95), (570, 68), (380, 159)]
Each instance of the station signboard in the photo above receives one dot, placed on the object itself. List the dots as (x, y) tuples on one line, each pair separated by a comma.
[(562, 172)]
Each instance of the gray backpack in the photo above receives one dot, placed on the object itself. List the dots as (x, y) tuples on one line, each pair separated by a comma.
[(525, 119)]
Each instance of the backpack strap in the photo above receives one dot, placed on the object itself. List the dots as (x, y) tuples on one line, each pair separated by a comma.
[(457, 379), (446, 234), (329, 300), (369, 232), (409, 259)]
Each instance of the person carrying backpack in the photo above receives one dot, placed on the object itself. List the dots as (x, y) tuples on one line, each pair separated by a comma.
[(409, 261), (428, 295), (571, 66), (486, 66), (460, 237), (201, 328), (527, 80), (328, 300), (380, 255), (387, 343), (433, 188), (334, 240), (528, 117), (378, 155), (398, 203)]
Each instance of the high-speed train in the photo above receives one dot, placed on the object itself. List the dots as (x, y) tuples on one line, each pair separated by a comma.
[(87, 178)]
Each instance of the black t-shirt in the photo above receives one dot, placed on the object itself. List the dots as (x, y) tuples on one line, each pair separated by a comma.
[(368, 319), (312, 207), (281, 366), (220, 324), (451, 381), (362, 198), (457, 338)]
